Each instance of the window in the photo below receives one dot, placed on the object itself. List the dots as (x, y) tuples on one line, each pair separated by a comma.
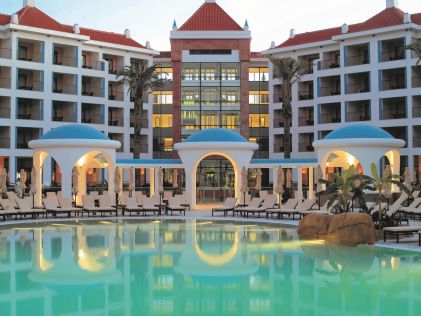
[(259, 74), (165, 73), (259, 97), (168, 142), (258, 120), (230, 96), (162, 97), (162, 120)]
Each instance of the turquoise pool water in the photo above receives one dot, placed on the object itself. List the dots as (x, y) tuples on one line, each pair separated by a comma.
[(198, 268)]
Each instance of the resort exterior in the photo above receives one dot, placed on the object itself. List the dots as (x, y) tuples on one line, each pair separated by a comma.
[(216, 215)]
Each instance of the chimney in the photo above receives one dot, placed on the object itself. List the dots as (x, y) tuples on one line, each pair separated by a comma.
[(392, 4), (29, 3), (407, 18), (345, 28), (14, 19), (148, 45), (272, 44), (292, 33), (76, 29), (127, 33), (210, 1)]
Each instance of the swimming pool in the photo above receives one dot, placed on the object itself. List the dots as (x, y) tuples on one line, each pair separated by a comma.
[(198, 268)]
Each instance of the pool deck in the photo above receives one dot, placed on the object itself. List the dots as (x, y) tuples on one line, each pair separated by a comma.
[(409, 243)]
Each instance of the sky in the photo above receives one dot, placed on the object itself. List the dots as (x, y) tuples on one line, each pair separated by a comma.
[(269, 20)]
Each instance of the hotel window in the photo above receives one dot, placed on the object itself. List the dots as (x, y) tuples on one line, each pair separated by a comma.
[(190, 120), (230, 71), (258, 120), (259, 97), (165, 73), (210, 96), (230, 96), (168, 144), (162, 120), (259, 74), (209, 74), (209, 119), (162, 97), (230, 120), (190, 71), (190, 96)]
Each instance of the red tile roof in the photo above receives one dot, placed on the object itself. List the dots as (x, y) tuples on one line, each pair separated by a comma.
[(210, 17), (164, 55), (386, 18), (31, 16), (257, 55)]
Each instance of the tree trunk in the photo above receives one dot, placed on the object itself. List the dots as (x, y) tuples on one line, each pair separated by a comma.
[(287, 130), (137, 139)]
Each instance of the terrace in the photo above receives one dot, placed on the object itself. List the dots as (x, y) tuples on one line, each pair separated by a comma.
[(329, 86), (115, 63), (330, 60), (92, 113), (30, 50), (393, 108), (91, 61), (330, 113), (357, 54), (358, 111), (30, 80), (4, 137), (63, 111), (65, 55), (357, 83), (64, 83), (392, 50), (25, 134), (392, 79), (29, 109), (5, 107), (306, 116), (305, 142), (93, 86), (5, 77)]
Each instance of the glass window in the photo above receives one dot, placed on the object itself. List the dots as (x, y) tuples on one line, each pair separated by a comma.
[(230, 96), (168, 142), (259, 74), (210, 72), (210, 96), (165, 73), (162, 120), (209, 119), (190, 120), (162, 97), (258, 120), (190, 96), (230, 119), (259, 97), (230, 71), (190, 72)]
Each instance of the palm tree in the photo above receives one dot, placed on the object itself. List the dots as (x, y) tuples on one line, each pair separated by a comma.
[(140, 79), (415, 46), (289, 71)]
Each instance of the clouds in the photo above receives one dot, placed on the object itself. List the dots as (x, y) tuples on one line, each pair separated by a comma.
[(268, 19)]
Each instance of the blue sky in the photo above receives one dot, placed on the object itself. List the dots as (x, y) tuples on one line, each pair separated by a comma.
[(152, 19)]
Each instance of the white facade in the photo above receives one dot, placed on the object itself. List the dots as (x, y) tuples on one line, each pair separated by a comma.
[(328, 110), (61, 82)]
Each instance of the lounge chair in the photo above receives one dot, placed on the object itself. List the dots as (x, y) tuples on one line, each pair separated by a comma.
[(399, 231), (303, 206), (8, 209), (12, 198), (25, 208), (244, 202), (132, 206), (52, 208), (290, 204), (183, 200), (105, 205), (268, 203), (66, 203), (263, 194), (167, 195), (397, 206), (228, 206), (254, 204), (412, 209), (174, 205), (149, 205), (139, 197), (88, 202)]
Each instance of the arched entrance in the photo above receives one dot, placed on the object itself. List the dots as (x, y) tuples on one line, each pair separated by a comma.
[(215, 179)]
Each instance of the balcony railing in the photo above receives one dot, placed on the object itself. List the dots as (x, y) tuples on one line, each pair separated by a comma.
[(278, 148), (5, 53), (416, 81), (305, 96), (115, 96), (357, 60), (92, 119), (392, 115), (355, 116), (329, 91), (331, 63), (278, 98), (30, 86), (63, 60), (393, 84), (4, 142), (31, 57), (278, 123), (24, 116), (93, 92), (305, 121), (115, 121), (5, 83), (329, 118), (305, 147), (5, 112), (416, 141), (392, 56), (65, 89), (115, 69), (93, 65), (416, 111), (145, 123), (358, 88)]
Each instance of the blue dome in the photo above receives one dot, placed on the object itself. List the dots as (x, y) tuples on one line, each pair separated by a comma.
[(216, 135), (359, 131), (75, 131)]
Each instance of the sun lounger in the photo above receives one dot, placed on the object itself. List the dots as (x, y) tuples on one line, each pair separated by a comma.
[(25, 208), (132, 206), (399, 231), (324, 210), (245, 202), (139, 197), (105, 205), (148, 206), (413, 208), (397, 206), (289, 205), (12, 198), (52, 208), (8, 209), (66, 203), (174, 205), (254, 204), (268, 203), (228, 206)]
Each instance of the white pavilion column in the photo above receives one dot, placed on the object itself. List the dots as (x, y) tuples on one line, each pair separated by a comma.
[(191, 188), (275, 182), (38, 195), (237, 182), (300, 183), (81, 185), (66, 180), (151, 182), (311, 183), (111, 172)]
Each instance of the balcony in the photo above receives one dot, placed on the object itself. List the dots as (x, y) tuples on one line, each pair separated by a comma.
[(4, 137), (278, 120), (64, 112), (357, 83), (277, 94), (30, 80), (115, 63), (358, 111), (416, 77), (399, 132), (143, 144), (93, 86), (308, 62), (90, 60), (5, 78), (392, 79), (305, 90), (5, 48), (357, 55), (278, 144), (65, 55), (145, 121), (115, 91), (331, 60), (117, 137), (306, 116), (64, 83), (391, 50), (92, 113), (329, 86), (330, 113), (393, 108), (5, 107), (29, 109), (115, 117), (416, 106), (30, 50), (305, 142), (25, 134)]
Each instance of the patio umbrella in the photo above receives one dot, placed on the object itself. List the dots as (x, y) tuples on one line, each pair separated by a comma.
[(319, 176), (3, 181), (244, 183), (132, 181), (279, 188), (160, 180), (289, 179), (388, 187), (33, 190), (175, 178), (407, 179), (75, 182), (117, 180), (414, 176), (258, 180), (23, 178)]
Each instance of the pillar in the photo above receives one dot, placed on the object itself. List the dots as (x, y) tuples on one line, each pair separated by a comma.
[(111, 171), (300, 183), (156, 174), (191, 187), (66, 180), (237, 181), (311, 183), (38, 194), (81, 185)]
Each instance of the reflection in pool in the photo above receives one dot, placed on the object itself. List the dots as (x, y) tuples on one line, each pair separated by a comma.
[(198, 268)]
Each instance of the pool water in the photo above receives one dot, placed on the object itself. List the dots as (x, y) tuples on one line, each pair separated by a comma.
[(198, 268)]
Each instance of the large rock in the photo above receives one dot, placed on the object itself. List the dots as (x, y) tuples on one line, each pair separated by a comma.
[(345, 229)]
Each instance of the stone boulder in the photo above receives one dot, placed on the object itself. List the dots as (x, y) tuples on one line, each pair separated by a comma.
[(344, 229)]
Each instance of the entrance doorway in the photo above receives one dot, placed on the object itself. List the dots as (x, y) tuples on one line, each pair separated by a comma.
[(215, 180)]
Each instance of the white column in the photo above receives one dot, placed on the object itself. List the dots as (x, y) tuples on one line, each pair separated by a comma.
[(81, 185), (191, 188), (237, 182), (66, 180), (38, 195), (311, 183), (275, 182), (151, 182), (300, 183), (111, 171)]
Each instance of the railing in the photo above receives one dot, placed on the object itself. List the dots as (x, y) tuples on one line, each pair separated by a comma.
[(416, 141), (31, 57), (329, 118), (392, 84), (357, 60), (278, 123), (31, 86), (26, 116), (4, 142), (356, 116), (5, 83), (331, 63), (5, 53), (392, 56), (277, 148), (115, 69), (305, 148), (230, 102), (23, 143), (190, 102), (62, 60), (192, 127), (357, 88), (116, 96), (392, 115), (305, 96), (329, 91), (115, 121), (308, 69), (5, 112), (92, 119), (416, 111), (416, 81), (204, 77), (93, 92), (305, 121), (65, 89), (278, 98), (93, 64)]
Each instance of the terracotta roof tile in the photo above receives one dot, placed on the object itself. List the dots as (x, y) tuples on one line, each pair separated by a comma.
[(4, 19), (257, 55), (210, 17), (164, 55)]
